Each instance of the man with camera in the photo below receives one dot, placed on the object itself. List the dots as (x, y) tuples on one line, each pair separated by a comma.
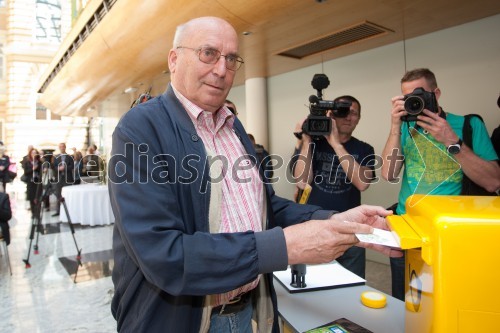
[(336, 165), (428, 142), (63, 169)]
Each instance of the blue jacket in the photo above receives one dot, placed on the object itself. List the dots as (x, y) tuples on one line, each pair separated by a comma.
[(165, 259)]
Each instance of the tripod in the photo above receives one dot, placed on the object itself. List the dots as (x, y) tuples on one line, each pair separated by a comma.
[(36, 222)]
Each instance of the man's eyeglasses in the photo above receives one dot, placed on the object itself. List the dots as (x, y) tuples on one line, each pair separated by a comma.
[(211, 56), (351, 113)]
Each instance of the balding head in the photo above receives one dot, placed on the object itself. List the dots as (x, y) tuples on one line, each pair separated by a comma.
[(195, 26), (205, 85)]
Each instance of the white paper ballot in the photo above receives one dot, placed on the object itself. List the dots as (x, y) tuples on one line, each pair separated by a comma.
[(319, 277), (382, 237)]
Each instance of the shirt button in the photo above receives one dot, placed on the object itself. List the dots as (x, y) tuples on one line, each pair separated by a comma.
[(194, 137)]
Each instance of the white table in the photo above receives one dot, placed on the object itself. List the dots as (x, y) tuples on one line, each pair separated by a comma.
[(88, 204), (307, 310)]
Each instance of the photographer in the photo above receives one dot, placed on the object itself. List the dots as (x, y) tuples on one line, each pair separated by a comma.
[(63, 169), (338, 167), (32, 167), (4, 168), (429, 145)]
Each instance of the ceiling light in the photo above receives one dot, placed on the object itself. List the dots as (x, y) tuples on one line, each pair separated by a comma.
[(130, 90)]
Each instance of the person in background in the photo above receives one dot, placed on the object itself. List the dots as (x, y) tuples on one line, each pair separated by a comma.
[(5, 216), (25, 157), (92, 164), (47, 160), (32, 167), (495, 135), (230, 105), (78, 160), (263, 159), (63, 168), (261, 153), (431, 150), (96, 151), (195, 244), (338, 167), (4, 168)]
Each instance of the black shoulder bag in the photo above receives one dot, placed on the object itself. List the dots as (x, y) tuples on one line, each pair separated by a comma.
[(468, 186)]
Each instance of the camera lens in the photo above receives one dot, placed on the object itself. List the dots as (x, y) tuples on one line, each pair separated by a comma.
[(414, 105), (318, 126)]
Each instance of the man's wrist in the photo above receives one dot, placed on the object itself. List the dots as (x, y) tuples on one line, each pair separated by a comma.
[(450, 142), (396, 130), (337, 146)]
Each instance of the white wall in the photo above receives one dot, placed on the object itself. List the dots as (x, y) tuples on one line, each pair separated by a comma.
[(465, 59)]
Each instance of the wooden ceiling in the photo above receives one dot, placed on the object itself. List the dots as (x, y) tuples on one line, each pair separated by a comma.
[(129, 45)]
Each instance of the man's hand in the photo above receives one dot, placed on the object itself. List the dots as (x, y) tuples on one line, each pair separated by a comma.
[(438, 127), (300, 185), (397, 111), (321, 241), (373, 216), (333, 137), (306, 139), (365, 214)]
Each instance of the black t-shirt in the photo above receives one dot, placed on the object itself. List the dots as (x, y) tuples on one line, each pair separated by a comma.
[(331, 189)]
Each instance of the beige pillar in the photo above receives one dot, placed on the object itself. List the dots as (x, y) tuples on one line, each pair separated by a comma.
[(256, 87), (256, 109)]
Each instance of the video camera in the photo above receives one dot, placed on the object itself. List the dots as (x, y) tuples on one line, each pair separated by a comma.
[(417, 101), (318, 123)]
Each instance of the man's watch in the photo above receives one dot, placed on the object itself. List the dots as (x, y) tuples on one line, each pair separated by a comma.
[(455, 148)]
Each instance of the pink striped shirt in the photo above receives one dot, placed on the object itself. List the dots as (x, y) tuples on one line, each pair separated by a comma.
[(242, 188)]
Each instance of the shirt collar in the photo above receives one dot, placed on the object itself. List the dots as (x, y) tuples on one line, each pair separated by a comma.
[(194, 111)]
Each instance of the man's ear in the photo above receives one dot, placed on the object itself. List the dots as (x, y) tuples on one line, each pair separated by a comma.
[(172, 60), (438, 93)]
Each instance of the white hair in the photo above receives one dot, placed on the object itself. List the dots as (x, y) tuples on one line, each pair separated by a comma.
[(179, 35)]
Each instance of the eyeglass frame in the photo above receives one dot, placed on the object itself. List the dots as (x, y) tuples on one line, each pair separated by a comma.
[(352, 113), (238, 59)]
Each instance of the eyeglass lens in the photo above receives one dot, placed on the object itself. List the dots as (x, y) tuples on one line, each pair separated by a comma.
[(211, 56)]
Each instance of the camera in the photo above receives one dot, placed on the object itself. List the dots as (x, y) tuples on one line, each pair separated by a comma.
[(417, 101), (318, 123)]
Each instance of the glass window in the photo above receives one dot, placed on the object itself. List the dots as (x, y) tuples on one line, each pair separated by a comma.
[(48, 21)]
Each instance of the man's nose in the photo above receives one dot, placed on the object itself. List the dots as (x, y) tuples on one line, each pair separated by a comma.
[(220, 67)]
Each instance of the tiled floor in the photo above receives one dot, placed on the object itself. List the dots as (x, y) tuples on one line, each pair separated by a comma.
[(56, 294), (45, 297)]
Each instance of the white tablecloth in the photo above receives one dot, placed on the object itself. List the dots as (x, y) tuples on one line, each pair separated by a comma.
[(88, 204)]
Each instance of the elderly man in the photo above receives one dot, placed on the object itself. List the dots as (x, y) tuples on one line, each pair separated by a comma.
[(197, 233)]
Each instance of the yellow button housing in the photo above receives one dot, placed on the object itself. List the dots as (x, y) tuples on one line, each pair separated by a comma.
[(373, 299)]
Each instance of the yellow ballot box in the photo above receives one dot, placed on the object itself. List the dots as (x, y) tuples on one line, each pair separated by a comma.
[(452, 263)]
